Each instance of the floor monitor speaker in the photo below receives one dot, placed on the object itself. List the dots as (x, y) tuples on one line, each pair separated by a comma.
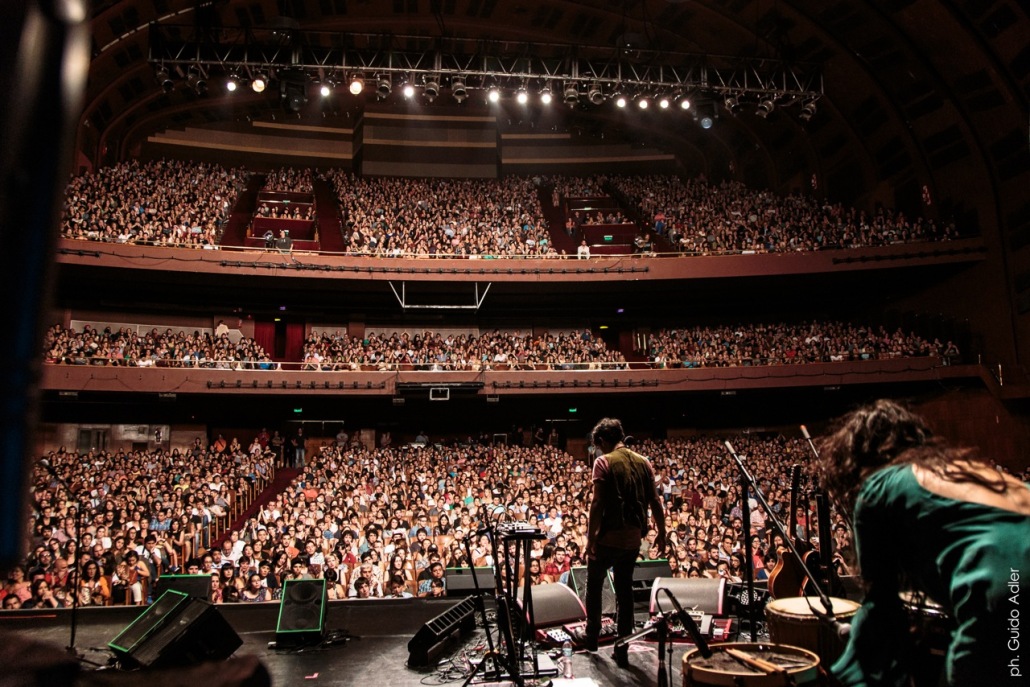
[(553, 605), (196, 586), (459, 581), (301, 613), (578, 582), (433, 637), (176, 630), (696, 593)]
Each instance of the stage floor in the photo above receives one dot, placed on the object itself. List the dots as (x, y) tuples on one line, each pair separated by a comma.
[(377, 653)]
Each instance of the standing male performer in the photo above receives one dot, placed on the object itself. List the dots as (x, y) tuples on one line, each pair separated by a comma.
[(624, 487)]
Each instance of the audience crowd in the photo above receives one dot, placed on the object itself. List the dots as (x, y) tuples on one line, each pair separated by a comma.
[(373, 522), (131, 348), (700, 217), (393, 217), (785, 344), (169, 202), (435, 351), (290, 180), (162, 202), (142, 513), (754, 344)]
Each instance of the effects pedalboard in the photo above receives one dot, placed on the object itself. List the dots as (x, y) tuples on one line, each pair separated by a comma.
[(712, 628)]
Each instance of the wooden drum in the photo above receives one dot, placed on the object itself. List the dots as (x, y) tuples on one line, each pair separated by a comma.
[(743, 664), (792, 622)]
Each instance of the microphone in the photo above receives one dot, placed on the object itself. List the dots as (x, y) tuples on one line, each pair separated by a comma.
[(690, 625), (842, 630), (729, 447), (808, 438)]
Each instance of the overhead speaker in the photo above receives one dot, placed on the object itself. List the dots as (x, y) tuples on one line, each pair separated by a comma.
[(175, 630), (301, 613), (459, 581), (436, 635), (696, 593), (578, 583), (195, 586), (553, 605)]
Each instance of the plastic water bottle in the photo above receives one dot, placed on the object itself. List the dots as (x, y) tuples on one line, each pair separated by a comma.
[(566, 657)]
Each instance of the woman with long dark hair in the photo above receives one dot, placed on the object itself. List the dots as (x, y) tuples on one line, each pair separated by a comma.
[(930, 519)]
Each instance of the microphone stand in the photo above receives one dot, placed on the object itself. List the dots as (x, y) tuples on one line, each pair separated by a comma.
[(749, 552), (75, 564), (747, 479), (660, 626)]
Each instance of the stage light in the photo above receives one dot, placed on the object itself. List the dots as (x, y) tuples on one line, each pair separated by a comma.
[(706, 122), (595, 95), (164, 79), (493, 95), (620, 101), (195, 79), (663, 102), (571, 94), (384, 87), (432, 88), (325, 90), (409, 91), (522, 96), (259, 82), (357, 84), (731, 102), (765, 107), (643, 104), (232, 83), (685, 104), (458, 89), (545, 95), (808, 111)]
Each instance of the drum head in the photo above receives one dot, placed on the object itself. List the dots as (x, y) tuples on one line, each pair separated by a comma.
[(797, 666), (799, 606)]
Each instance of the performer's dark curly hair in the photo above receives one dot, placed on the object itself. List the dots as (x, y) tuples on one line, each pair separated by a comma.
[(882, 434)]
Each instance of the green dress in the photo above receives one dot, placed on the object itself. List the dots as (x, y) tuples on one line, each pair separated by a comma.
[(963, 555)]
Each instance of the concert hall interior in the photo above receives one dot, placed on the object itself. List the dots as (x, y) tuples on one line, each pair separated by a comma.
[(323, 311)]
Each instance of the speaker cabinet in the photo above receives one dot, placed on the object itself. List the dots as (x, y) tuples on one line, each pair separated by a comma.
[(175, 630), (698, 593), (459, 581), (578, 583), (553, 605), (433, 637), (196, 586), (645, 572), (301, 613)]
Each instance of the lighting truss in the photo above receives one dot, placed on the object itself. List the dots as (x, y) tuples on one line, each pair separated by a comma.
[(478, 62)]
